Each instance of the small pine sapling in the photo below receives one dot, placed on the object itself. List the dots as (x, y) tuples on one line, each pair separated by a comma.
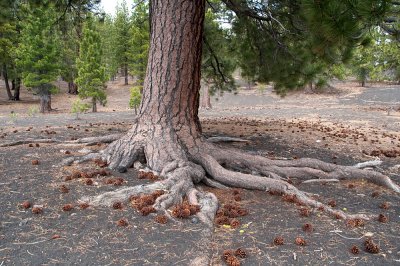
[(79, 107), (136, 97)]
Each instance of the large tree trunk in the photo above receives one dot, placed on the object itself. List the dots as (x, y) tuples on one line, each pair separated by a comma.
[(5, 75), (169, 110)]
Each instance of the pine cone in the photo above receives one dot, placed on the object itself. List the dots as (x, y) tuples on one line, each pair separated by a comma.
[(241, 253), (67, 207), (300, 241), (122, 222), (117, 205), (161, 219), (355, 250), (278, 240)]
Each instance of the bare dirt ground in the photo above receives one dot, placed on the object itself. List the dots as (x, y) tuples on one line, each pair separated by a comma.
[(345, 127)]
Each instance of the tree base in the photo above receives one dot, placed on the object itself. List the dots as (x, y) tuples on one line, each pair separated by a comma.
[(185, 162)]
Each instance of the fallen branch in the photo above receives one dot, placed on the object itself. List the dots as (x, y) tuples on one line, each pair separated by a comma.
[(27, 141)]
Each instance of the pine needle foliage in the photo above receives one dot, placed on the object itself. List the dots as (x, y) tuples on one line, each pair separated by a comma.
[(91, 73), (38, 51)]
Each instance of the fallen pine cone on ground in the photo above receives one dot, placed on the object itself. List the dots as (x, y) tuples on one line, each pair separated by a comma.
[(370, 246), (278, 240), (122, 222), (300, 241)]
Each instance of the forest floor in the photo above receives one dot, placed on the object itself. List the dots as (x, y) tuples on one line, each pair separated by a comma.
[(347, 126)]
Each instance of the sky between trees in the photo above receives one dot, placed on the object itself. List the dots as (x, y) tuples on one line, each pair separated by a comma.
[(109, 6)]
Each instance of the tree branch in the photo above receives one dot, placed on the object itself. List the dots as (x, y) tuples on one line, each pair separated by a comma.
[(240, 9), (216, 60)]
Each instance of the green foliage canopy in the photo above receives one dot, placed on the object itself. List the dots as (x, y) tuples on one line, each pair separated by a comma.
[(91, 73), (38, 51)]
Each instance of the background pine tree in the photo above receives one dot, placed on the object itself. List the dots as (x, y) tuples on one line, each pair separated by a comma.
[(38, 53), (122, 26), (139, 41), (91, 73), (109, 43)]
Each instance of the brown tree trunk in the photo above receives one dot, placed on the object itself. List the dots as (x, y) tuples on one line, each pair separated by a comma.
[(72, 88), (45, 102), (363, 83), (16, 84), (94, 105), (48, 105), (126, 74), (205, 101), (5, 75)]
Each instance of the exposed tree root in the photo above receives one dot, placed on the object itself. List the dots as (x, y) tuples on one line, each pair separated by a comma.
[(87, 141), (320, 181), (94, 140), (305, 168), (237, 179), (27, 141), (184, 161), (184, 168), (226, 139)]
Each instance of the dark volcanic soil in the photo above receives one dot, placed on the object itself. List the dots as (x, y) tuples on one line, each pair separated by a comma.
[(92, 237)]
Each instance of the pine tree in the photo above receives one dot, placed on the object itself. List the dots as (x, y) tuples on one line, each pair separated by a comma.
[(69, 54), (122, 26), (292, 43), (38, 53), (109, 43), (139, 41), (218, 61), (9, 28), (91, 74)]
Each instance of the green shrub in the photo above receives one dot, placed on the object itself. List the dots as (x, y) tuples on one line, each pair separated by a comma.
[(136, 97), (79, 107)]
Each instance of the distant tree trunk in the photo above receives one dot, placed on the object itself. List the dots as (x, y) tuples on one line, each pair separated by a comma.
[(5, 75), (363, 83), (48, 107), (94, 105), (72, 88), (45, 102), (205, 101), (16, 85), (126, 74)]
